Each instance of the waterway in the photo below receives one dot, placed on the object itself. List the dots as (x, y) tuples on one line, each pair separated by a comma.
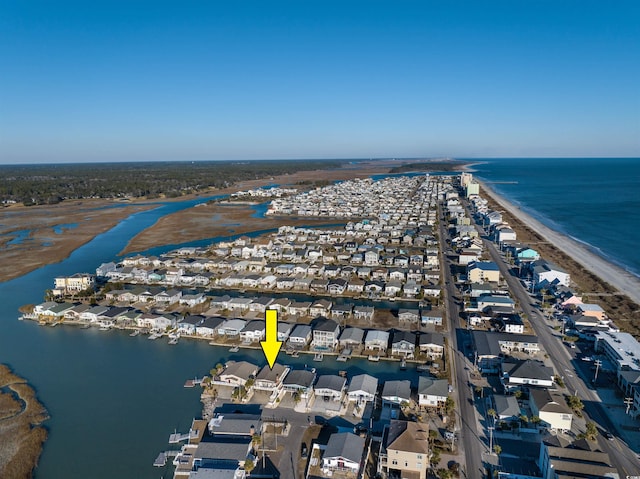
[(114, 399)]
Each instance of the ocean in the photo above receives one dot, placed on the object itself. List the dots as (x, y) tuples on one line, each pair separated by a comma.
[(594, 200)]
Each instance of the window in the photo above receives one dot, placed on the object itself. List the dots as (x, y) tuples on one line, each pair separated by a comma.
[(419, 456), (394, 462)]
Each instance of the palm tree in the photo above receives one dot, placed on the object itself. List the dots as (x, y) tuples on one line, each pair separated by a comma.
[(492, 413)]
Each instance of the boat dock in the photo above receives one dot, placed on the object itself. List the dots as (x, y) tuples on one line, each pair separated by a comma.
[(190, 383), (161, 460), (177, 437), (318, 357)]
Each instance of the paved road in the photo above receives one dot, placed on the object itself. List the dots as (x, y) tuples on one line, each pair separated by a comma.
[(471, 442), (623, 458)]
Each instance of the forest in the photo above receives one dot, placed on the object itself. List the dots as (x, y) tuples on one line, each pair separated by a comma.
[(53, 183)]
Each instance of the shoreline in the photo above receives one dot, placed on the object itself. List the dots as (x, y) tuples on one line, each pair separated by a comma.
[(617, 277)]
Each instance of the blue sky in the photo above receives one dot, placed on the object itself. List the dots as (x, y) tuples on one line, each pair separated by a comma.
[(213, 80)]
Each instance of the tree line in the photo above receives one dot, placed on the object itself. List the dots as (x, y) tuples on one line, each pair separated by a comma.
[(53, 183)]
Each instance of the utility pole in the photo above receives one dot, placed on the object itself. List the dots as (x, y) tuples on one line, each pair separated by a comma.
[(598, 363), (628, 402)]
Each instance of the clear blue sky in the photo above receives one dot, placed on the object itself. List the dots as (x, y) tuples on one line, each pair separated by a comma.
[(130, 80)]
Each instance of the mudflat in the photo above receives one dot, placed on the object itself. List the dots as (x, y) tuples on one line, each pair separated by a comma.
[(33, 236), (21, 432)]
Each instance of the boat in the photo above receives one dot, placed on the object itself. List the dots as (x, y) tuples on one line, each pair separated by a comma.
[(135, 333), (234, 349), (403, 365), (375, 358), (173, 341), (154, 336), (295, 354), (318, 357), (423, 367)]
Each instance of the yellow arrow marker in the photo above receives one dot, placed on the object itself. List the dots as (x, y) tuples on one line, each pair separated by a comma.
[(271, 346)]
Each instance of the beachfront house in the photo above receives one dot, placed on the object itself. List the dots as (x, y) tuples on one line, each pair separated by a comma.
[(271, 379), (546, 274), (209, 327)]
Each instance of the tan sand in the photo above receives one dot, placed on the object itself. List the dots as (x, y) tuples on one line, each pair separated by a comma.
[(617, 277)]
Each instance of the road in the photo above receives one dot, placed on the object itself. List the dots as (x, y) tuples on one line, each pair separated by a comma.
[(468, 437), (623, 458)]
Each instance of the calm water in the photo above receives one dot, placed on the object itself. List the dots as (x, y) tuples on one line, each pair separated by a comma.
[(594, 200), (114, 399)]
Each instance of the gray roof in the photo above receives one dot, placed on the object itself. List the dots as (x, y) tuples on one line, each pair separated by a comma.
[(433, 387), (271, 374), (346, 445), (549, 401), (529, 369), (403, 336), (324, 324), (331, 381), (401, 389), (234, 424), (299, 377), (506, 406), (363, 382), (241, 369), (254, 325), (353, 335), (431, 338), (224, 449), (300, 331)]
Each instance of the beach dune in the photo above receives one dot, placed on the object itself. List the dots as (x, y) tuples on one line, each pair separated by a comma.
[(617, 277)]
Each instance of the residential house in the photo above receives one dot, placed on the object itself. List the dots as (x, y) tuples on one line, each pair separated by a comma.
[(483, 272), (253, 331), (284, 330), (403, 343), (432, 345), (546, 274), (507, 408), (189, 324), (325, 334), (321, 307), (404, 450), (376, 341), (238, 373), (408, 315), (330, 387), (351, 338), (396, 393), (299, 381), (271, 379), (364, 312), (210, 326), (231, 328), (432, 392), (551, 408), (344, 453), (525, 373), (562, 457), (300, 336), (362, 389)]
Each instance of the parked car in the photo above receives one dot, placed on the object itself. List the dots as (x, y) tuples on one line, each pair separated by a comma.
[(303, 450)]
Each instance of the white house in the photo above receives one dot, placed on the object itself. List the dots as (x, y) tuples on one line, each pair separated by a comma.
[(432, 392), (551, 408), (362, 388), (344, 451)]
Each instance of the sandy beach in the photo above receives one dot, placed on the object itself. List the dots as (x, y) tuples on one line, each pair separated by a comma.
[(617, 277)]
